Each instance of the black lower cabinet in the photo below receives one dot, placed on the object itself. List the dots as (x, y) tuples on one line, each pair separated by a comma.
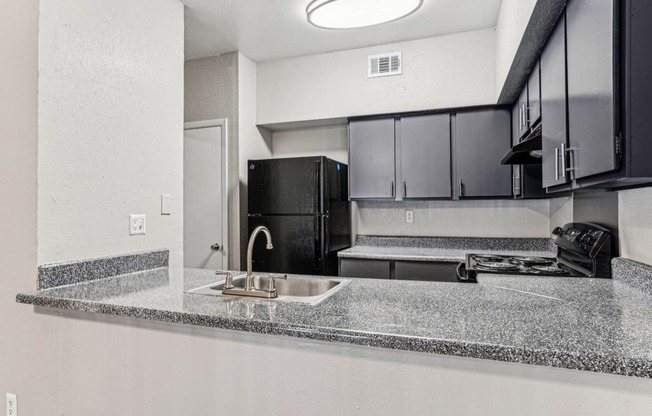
[(426, 271), (371, 269), (399, 270)]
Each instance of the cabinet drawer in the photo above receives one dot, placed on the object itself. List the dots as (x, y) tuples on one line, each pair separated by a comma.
[(426, 271), (373, 269)]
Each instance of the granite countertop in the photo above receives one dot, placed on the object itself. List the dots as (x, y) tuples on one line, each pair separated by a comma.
[(587, 324), (443, 249)]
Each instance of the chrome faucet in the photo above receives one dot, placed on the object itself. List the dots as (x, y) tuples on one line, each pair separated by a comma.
[(249, 278), (249, 289)]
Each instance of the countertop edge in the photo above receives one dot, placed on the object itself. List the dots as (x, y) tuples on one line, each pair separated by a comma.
[(585, 361)]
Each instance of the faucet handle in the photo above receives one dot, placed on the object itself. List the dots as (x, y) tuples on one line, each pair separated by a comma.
[(228, 282), (271, 284)]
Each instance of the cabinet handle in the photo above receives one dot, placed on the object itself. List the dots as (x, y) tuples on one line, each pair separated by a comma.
[(569, 150), (563, 160), (392, 188), (556, 163), (461, 188), (404, 189), (520, 118)]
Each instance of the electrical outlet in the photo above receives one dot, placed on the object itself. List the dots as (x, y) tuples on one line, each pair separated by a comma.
[(137, 224), (409, 216), (12, 405)]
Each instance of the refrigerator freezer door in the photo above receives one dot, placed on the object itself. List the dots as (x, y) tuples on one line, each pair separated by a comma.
[(285, 186), (298, 245)]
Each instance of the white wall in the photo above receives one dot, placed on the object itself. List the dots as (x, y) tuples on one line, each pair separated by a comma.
[(254, 143), (446, 71), (211, 92), (513, 17), (561, 211), (635, 224), (486, 218), (331, 141), (110, 127)]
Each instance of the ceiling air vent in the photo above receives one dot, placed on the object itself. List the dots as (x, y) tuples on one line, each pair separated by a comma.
[(384, 65)]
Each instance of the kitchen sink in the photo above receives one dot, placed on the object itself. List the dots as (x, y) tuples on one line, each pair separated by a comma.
[(294, 289)]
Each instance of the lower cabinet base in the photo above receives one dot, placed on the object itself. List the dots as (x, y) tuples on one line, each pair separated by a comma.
[(399, 270)]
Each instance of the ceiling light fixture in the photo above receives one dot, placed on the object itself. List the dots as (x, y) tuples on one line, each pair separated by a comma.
[(350, 14)]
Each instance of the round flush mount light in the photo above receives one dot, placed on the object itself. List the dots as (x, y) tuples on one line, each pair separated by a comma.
[(350, 14)]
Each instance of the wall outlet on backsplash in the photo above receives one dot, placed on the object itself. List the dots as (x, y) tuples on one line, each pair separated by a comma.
[(12, 405), (409, 216)]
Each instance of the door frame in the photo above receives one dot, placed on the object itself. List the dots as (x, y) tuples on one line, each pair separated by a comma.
[(223, 123)]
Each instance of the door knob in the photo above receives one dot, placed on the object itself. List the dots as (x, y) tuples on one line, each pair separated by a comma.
[(216, 247)]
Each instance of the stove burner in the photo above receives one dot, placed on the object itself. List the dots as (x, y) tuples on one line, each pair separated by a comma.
[(550, 269), (488, 257), (530, 261), (497, 266)]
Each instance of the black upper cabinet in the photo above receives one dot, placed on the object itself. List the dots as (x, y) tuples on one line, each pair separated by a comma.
[(554, 138), (400, 158), (481, 138), (425, 156), (522, 114), (534, 96), (371, 159), (526, 112), (592, 113)]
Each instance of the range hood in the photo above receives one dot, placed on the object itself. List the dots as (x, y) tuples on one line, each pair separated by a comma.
[(527, 152)]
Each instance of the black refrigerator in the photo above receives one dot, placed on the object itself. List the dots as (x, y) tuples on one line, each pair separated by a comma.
[(304, 204)]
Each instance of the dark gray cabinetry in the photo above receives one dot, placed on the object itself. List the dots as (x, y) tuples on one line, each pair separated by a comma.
[(424, 155), (553, 108), (372, 269), (534, 96), (399, 270), (526, 112), (522, 114), (425, 271), (371, 159), (481, 138), (591, 106)]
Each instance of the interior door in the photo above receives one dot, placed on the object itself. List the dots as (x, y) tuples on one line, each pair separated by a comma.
[(202, 198)]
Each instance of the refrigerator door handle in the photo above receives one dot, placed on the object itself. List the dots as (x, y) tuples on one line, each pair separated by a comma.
[(318, 241)]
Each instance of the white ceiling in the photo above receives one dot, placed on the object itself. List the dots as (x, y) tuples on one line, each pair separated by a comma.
[(274, 29)]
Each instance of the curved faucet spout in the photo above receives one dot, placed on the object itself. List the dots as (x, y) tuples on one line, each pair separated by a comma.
[(249, 278)]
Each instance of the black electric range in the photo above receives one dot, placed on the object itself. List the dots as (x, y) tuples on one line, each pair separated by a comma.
[(583, 250)]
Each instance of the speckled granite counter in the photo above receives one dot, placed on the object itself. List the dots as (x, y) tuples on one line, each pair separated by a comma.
[(443, 249), (586, 324)]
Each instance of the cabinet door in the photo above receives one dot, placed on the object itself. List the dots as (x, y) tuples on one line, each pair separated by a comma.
[(591, 110), (425, 271), (371, 269), (481, 140), (522, 113), (534, 96), (425, 156), (371, 159), (553, 107)]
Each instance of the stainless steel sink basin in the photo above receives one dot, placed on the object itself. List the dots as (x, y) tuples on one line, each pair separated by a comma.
[(294, 289)]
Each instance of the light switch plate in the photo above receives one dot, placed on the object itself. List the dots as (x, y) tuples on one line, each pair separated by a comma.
[(166, 204), (12, 405), (137, 224)]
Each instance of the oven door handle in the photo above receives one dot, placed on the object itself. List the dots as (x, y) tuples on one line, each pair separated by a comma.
[(462, 276)]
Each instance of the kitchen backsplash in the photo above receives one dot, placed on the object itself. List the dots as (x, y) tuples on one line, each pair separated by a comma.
[(483, 218)]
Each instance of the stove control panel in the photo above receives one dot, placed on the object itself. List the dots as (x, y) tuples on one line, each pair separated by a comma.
[(582, 238)]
